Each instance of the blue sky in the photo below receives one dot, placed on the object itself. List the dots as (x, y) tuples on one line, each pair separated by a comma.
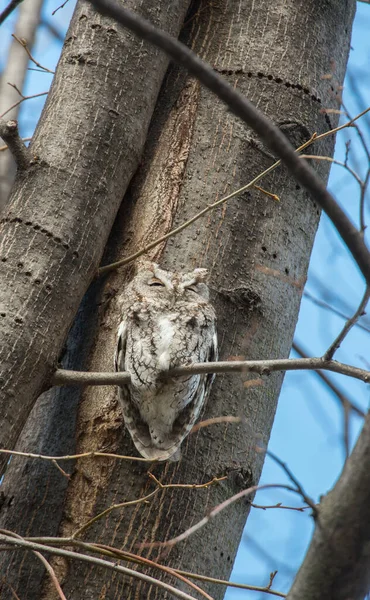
[(308, 429)]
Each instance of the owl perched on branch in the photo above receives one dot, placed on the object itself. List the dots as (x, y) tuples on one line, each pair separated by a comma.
[(167, 321)]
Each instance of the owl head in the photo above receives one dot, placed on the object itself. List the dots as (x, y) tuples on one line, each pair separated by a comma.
[(153, 281)]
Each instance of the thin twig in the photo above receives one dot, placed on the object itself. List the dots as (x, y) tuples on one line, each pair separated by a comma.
[(263, 367), (294, 480), (280, 505), (336, 162), (110, 551), (10, 135), (18, 544), (214, 512), (335, 311), (348, 326), (274, 139), (23, 43), (215, 421), (23, 98), (344, 400), (314, 138), (59, 7), (74, 456), (108, 510), (160, 486), (362, 201), (366, 181), (241, 586), (140, 560), (124, 261), (9, 9)]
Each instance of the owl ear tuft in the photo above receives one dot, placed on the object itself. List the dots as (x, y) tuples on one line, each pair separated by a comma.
[(200, 275)]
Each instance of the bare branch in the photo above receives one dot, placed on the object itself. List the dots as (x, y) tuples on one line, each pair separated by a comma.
[(314, 138), (10, 135), (294, 480), (243, 108), (124, 554), (263, 367), (344, 400), (333, 161), (214, 512), (160, 486), (92, 454), (335, 311), (140, 560), (348, 326), (280, 505), (23, 98), (23, 43), (241, 586), (9, 9), (18, 544)]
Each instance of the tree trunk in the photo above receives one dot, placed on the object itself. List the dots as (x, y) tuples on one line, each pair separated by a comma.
[(257, 251), (84, 152)]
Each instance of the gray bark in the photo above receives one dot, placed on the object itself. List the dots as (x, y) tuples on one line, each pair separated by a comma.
[(257, 251), (15, 71), (86, 148)]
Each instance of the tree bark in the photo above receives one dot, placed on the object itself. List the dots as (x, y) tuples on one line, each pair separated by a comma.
[(15, 72), (86, 148), (257, 251)]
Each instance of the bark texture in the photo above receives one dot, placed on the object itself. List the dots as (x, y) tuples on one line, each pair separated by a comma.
[(86, 148), (257, 251), (15, 72)]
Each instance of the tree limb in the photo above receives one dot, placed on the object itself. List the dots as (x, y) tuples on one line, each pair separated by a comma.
[(17, 544), (243, 108), (263, 367), (10, 135)]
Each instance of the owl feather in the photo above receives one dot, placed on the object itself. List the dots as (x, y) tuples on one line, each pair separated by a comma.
[(167, 321)]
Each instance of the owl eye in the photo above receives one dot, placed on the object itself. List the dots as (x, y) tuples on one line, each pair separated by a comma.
[(192, 289), (156, 283)]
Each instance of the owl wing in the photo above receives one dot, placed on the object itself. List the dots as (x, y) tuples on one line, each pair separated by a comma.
[(131, 414)]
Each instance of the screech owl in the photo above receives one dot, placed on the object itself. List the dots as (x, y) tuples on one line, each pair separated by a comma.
[(167, 321)]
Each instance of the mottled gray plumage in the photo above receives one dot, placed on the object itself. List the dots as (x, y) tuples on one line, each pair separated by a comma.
[(167, 321)]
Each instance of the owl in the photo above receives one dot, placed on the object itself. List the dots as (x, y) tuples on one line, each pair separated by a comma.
[(167, 321)]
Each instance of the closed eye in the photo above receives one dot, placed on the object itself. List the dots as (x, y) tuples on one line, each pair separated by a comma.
[(156, 283), (192, 289)]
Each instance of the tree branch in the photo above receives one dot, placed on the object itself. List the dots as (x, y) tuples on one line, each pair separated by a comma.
[(243, 108), (9, 9), (314, 138), (348, 325), (10, 135), (262, 367), (343, 398), (18, 544)]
